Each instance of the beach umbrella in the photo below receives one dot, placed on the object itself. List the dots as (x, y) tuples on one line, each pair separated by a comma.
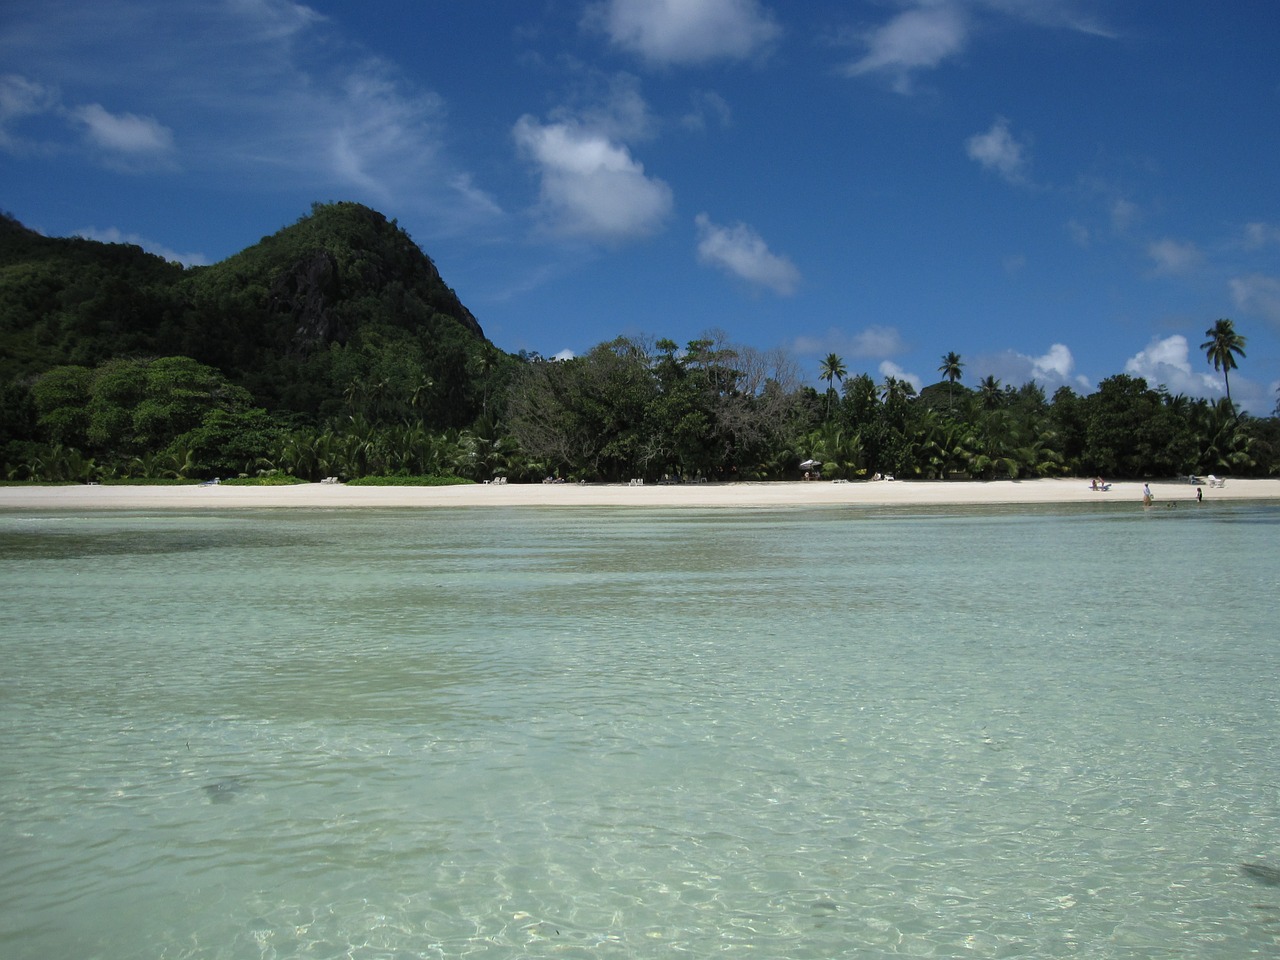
[(811, 465)]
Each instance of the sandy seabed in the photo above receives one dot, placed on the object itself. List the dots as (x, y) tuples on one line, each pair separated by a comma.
[(708, 495)]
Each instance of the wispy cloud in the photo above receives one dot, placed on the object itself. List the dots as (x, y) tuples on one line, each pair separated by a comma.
[(707, 108), (1257, 294), (1259, 234), (1172, 257), (685, 31), (918, 38), (740, 251), (266, 92), (123, 133), (21, 97), (928, 33), (998, 150), (877, 341), (114, 235)]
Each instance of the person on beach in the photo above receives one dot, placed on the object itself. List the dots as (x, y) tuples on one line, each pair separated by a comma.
[(1199, 495), (1146, 495)]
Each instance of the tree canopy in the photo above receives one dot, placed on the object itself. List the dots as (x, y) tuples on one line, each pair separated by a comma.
[(334, 348)]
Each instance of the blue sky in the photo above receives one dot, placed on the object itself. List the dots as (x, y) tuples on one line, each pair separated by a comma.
[(1055, 189)]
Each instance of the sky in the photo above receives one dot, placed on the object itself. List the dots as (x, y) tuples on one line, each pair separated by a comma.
[(1056, 190)]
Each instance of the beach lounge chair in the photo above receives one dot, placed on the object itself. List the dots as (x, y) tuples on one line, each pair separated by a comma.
[(1216, 481)]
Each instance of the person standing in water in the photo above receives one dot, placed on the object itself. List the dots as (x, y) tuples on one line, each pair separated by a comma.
[(1146, 495)]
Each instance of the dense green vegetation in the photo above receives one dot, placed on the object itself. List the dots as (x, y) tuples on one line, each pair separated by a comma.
[(333, 348)]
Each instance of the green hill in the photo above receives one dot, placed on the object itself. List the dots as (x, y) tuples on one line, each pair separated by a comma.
[(340, 311)]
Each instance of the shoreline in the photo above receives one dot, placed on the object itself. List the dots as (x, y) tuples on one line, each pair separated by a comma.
[(743, 494)]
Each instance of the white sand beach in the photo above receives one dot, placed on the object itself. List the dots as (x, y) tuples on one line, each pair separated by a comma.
[(710, 495)]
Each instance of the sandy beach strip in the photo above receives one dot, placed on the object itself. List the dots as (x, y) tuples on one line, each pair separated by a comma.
[(711, 495)]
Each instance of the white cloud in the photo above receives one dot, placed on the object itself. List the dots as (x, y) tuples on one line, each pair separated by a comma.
[(1260, 234), (707, 107), (115, 235), (997, 150), (378, 128), (1052, 369), (127, 142), (262, 92), (877, 341), (124, 132), (921, 37), (1166, 363), (741, 251), (927, 33), (1124, 213), (20, 98), (873, 342), (591, 186), (890, 369), (685, 31), (1173, 256), (1258, 294)]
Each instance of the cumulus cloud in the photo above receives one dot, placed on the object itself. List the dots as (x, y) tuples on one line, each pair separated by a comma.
[(1166, 362), (1052, 369), (740, 251), (591, 186), (1257, 294), (1173, 256), (685, 31), (890, 369), (998, 150)]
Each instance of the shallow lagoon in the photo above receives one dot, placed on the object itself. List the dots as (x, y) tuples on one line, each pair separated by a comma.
[(808, 733)]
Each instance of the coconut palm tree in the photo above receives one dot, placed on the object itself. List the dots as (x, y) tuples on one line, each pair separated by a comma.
[(989, 390), (1221, 347), (832, 369), (950, 369)]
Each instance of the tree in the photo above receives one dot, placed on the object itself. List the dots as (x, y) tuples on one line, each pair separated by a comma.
[(950, 370), (832, 369), (990, 392), (1221, 347)]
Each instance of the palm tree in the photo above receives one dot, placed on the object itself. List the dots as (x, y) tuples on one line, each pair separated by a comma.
[(1220, 348), (832, 369), (989, 390), (951, 367)]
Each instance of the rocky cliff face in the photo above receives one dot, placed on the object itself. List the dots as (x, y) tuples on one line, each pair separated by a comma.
[(306, 291)]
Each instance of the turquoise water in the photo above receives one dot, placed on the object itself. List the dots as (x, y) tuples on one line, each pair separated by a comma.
[(626, 733)]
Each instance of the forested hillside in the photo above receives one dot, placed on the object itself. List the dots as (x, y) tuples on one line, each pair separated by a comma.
[(333, 348), (341, 302)]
